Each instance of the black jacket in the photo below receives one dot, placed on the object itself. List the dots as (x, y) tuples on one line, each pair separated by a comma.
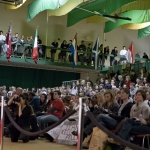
[(124, 113)]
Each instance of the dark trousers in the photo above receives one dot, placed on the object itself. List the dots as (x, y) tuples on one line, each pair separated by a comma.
[(132, 127), (16, 135)]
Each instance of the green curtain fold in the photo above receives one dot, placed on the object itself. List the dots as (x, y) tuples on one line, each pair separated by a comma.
[(102, 6), (40, 5), (28, 77), (144, 32), (137, 16)]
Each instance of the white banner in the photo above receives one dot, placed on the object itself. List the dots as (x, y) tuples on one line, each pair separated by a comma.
[(65, 136)]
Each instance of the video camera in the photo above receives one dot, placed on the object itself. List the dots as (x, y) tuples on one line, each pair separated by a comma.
[(17, 99)]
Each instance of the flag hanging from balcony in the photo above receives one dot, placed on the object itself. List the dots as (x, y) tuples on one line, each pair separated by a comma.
[(8, 42), (35, 47), (73, 49)]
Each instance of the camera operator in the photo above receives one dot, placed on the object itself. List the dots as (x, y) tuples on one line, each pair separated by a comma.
[(22, 112)]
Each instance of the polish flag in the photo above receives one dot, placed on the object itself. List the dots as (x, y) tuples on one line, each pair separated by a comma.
[(130, 54)]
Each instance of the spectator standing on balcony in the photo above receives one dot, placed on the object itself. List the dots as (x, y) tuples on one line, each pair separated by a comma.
[(123, 53), (53, 51), (14, 41), (82, 48), (88, 55), (106, 52), (145, 56), (64, 46), (29, 48), (137, 55), (20, 49), (113, 52), (2, 39)]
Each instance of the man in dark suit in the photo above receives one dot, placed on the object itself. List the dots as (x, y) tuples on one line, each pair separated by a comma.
[(113, 52), (106, 52)]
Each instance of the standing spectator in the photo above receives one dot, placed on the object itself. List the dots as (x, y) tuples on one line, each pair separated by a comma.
[(106, 52), (64, 46), (2, 39), (145, 56), (14, 41), (100, 55), (53, 51), (89, 56), (20, 48), (123, 53), (82, 48), (137, 55), (40, 47), (113, 52)]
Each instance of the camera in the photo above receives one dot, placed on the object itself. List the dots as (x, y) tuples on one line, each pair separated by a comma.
[(17, 99)]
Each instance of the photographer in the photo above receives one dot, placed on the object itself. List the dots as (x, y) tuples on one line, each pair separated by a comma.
[(22, 112)]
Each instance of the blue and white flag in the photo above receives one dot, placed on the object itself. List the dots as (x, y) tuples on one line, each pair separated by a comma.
[(95, 50), (73, 48)]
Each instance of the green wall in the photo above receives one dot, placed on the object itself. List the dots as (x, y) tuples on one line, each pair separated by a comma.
[(29, 77)]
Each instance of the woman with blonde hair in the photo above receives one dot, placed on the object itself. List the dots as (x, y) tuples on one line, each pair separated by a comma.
[(100, 99)]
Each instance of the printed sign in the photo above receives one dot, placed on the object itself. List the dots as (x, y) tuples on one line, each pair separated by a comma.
[(65, 136)]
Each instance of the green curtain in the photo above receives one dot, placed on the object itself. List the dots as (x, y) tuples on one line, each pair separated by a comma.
[(40, 5), (102, 6), (144, 32), (28, 77), (137, 16)]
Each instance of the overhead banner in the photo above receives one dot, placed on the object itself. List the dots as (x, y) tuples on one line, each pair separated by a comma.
[(137, 16), (144, 32), (40, 5), (71, 4), (103, 6)]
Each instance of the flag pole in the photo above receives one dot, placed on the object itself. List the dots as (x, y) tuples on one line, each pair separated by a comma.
[(103, 58), (46, 37), (1, 123), (96, 54)]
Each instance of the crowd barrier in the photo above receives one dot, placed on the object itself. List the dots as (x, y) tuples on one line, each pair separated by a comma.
[(80, 127)]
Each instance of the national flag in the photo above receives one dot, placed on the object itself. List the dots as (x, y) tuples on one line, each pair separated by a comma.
[(8, 42), (95, 50), (35, 48), (130, 54), (73, 49)]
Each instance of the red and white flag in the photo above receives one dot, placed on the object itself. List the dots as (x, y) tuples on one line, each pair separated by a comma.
[(8, 42), (35, 48), (130, 54)]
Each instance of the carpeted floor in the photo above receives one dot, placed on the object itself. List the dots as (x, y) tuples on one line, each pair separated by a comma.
[(41, 144)]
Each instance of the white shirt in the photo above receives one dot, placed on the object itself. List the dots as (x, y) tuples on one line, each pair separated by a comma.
[(123, 52), (2, 38)]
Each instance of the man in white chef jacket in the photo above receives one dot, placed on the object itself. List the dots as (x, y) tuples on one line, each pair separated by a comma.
[(123, 52)]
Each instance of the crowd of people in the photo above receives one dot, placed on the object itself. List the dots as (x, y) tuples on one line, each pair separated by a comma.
[(22, 46), (115, 98)]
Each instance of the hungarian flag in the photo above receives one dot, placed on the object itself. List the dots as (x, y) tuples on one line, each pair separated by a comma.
[(8, 42), (130, 54), (35, 48)]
